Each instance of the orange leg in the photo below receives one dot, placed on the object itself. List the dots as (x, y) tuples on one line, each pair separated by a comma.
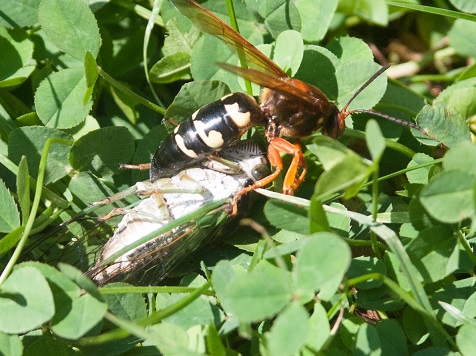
[(291, 183)]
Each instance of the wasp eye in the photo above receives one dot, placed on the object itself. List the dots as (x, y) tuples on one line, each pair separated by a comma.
[(335, 124), (260, 171)]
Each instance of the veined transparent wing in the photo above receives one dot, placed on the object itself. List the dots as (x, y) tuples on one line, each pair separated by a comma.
[(209, 23)]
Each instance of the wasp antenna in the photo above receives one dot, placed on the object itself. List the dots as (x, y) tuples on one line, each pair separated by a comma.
[(393, 119), (397, 121), (365, 85), (390, 118), (344, 113)]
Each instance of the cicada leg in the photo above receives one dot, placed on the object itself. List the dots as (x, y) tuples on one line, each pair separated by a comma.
[(146, 189), (291, 181), (141, 189), (141, 166), (220, 164)]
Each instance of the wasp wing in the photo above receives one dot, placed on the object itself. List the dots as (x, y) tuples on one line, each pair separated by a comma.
[(263, 71), (282, 85), (208, 22)]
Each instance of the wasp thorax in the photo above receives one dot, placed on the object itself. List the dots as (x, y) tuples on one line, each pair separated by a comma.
[(296, 114)]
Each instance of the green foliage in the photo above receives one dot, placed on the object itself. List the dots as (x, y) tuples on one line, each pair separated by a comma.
[(10, 218), (385, 265), (27, 301)]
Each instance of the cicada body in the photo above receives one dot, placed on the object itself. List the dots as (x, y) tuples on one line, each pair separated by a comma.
[(167, 226)]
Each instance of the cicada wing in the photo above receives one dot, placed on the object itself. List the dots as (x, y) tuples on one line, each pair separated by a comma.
[(76, 242), (209, 23), (152, 261)]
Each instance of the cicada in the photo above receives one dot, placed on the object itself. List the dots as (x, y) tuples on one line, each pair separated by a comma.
[(177, 215)]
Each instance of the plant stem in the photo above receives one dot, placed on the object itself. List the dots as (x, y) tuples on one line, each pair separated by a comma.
[(34, 207), (433, 10), (406, 297), (375, 191), (389, 143), (47, 194), (129, 92), (234, 25), (139, 10), (467, 247)]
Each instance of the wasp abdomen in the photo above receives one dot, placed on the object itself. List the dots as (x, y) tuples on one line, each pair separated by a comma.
[(209, 129)]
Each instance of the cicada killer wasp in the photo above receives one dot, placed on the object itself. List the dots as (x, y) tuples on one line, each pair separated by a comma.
[(289, 108)]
